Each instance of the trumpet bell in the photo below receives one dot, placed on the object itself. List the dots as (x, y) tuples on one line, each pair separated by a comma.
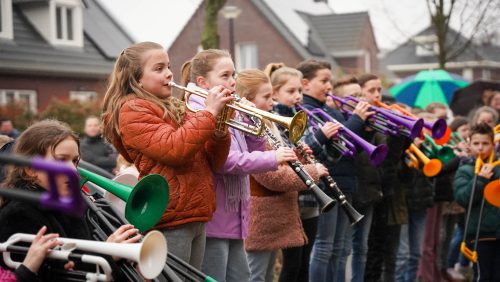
[(297, 125), (492, 193), (378, 155), (445, 138), (432, 167), (146, 201), (153, 252)]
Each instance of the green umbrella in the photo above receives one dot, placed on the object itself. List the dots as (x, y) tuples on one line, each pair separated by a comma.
[(427, 87)]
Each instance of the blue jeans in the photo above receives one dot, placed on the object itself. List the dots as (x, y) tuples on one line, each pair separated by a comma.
[(410, 243), (321, 265), (360, 232), (326, 264), (455, 255)]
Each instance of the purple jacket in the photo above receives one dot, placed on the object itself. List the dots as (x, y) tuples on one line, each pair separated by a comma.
[(240, 163)]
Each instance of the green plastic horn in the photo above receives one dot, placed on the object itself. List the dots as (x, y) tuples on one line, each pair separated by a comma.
[(146, 201), (443, 153)]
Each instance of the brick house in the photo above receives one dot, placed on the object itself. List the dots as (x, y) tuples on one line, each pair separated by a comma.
[(419, 53), (56, 49), (285, 31)]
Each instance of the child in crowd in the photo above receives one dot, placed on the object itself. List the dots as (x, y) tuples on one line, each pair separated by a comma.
[(153, 130), (54, 141), (274, 215), (225, 258), (488, 246)]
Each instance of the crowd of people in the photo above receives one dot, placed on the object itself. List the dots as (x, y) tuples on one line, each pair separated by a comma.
[(235, 202)]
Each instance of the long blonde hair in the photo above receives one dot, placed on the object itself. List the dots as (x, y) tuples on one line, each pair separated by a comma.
[(279, 74), (201, 64), (124, 83), (249, 81)]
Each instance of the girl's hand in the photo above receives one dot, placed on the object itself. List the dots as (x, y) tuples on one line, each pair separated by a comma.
[(362, 110), (322, 170), (125, 234), (486, 171), (285, 154), (216, 99), (39, 248), (330, 129)]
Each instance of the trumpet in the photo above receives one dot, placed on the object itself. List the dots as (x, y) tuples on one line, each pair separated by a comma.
[(295, 125), (440, 131), (150, 254), (431, 166), (384, 121), (344, 145)]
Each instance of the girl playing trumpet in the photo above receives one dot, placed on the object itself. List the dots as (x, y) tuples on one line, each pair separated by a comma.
[(225, 258), (153, 130)]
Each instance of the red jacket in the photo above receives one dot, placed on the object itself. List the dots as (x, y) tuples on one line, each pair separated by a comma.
[(186, 156)]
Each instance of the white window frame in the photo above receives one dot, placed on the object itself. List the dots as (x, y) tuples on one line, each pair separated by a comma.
[(486, 74), (82, 96), (33, 103), (76, 25), (6, 26), (468, 74), (247, 62)]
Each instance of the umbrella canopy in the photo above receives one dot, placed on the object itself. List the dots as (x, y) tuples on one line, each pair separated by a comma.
[(427, 87), (471, 96)]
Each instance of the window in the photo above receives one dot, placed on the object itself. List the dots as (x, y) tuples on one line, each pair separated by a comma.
[(64, 23), (468, 74), (426, 45), (486, 74), (82, 96), (26, 97), (67, 22), (6, 19), (246, 56)]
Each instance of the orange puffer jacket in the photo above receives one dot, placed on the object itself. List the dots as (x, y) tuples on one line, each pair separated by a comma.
[(186, 156)]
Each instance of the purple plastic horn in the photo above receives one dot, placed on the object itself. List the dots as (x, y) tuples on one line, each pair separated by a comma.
[(384, 121), (377, 153), (72, 204)]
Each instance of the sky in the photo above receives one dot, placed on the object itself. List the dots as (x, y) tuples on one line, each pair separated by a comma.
[(394, 21)]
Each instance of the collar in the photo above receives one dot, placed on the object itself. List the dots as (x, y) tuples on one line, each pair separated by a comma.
[(309, 100)]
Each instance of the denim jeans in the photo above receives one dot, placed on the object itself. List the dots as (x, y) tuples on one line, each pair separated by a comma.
[(360, 232), (410, 243), (455, 255), (261, 266), (226, 260), (321, 266), (326, 263)]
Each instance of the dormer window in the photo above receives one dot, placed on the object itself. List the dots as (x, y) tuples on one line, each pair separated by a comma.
[(6, 19), (426, 45), (67, 23)]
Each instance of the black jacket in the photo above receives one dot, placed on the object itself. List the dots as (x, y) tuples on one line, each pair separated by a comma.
[(97, 151)]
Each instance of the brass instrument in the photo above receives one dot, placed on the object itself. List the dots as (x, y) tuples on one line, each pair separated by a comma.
[(296, 124)]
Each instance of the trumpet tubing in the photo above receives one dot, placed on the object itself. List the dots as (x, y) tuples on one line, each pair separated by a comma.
[(295, 125), (431, 166), (150, 254)]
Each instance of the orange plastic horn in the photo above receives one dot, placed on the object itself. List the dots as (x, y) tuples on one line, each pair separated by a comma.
[(431, 166), (492, 193)]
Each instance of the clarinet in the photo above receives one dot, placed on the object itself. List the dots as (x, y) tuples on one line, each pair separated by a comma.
[(326, 202), (353, 215)]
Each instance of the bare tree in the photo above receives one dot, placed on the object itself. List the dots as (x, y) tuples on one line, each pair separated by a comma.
[(477, 21), (475, 16), (210, 35)]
